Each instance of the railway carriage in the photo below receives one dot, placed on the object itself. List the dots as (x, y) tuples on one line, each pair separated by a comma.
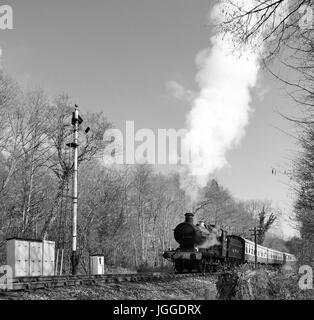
[(235, 250), (289, 259), (262, 252)]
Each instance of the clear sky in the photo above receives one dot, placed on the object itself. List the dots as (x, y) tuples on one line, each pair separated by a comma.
[(117, 56)]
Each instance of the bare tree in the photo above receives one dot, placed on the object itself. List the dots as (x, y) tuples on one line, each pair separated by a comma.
[(304, 206), (285, 29), (264, 216), (264, 224), (60, 134), (10, 101), (141, 201)]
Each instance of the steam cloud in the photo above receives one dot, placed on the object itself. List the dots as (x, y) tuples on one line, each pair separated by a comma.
[(220, 110), (0, 58), (210, 242)]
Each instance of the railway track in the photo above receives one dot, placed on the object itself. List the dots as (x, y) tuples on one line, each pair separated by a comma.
[(35, 283)]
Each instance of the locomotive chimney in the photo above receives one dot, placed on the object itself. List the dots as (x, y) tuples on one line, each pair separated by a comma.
[(189, 217)]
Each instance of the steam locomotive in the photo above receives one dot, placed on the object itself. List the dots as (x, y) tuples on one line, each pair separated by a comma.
[(204, 248)]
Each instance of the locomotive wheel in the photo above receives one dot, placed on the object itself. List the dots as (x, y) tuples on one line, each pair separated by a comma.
[(178, 266), (202, 267)]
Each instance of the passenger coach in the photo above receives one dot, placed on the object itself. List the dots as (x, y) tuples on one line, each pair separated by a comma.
[(244, 249)]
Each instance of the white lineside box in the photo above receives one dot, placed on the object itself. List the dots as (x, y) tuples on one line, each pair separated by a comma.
[(31, 258), (97, 264), (48, 265), (18, 256)]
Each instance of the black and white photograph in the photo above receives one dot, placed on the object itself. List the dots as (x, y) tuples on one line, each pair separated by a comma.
[(156, 155)]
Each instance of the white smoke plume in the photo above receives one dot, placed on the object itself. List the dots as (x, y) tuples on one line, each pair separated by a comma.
[(220, 111), (210, 242), (179, 92), (0, 58)]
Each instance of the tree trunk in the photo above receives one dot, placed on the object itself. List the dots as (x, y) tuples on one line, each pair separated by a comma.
[(135, 250)]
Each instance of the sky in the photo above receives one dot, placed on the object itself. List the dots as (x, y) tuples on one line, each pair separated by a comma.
[(119, 57)]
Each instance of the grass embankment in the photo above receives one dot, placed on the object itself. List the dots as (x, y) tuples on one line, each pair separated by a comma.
[(261, 284)]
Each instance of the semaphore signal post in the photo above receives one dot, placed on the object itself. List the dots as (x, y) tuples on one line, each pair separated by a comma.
[(76, 121)]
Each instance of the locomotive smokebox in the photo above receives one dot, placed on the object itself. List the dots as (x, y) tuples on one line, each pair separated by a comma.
[(189, 235)]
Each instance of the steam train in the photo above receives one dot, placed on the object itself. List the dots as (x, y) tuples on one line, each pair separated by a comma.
[(204, 248)]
